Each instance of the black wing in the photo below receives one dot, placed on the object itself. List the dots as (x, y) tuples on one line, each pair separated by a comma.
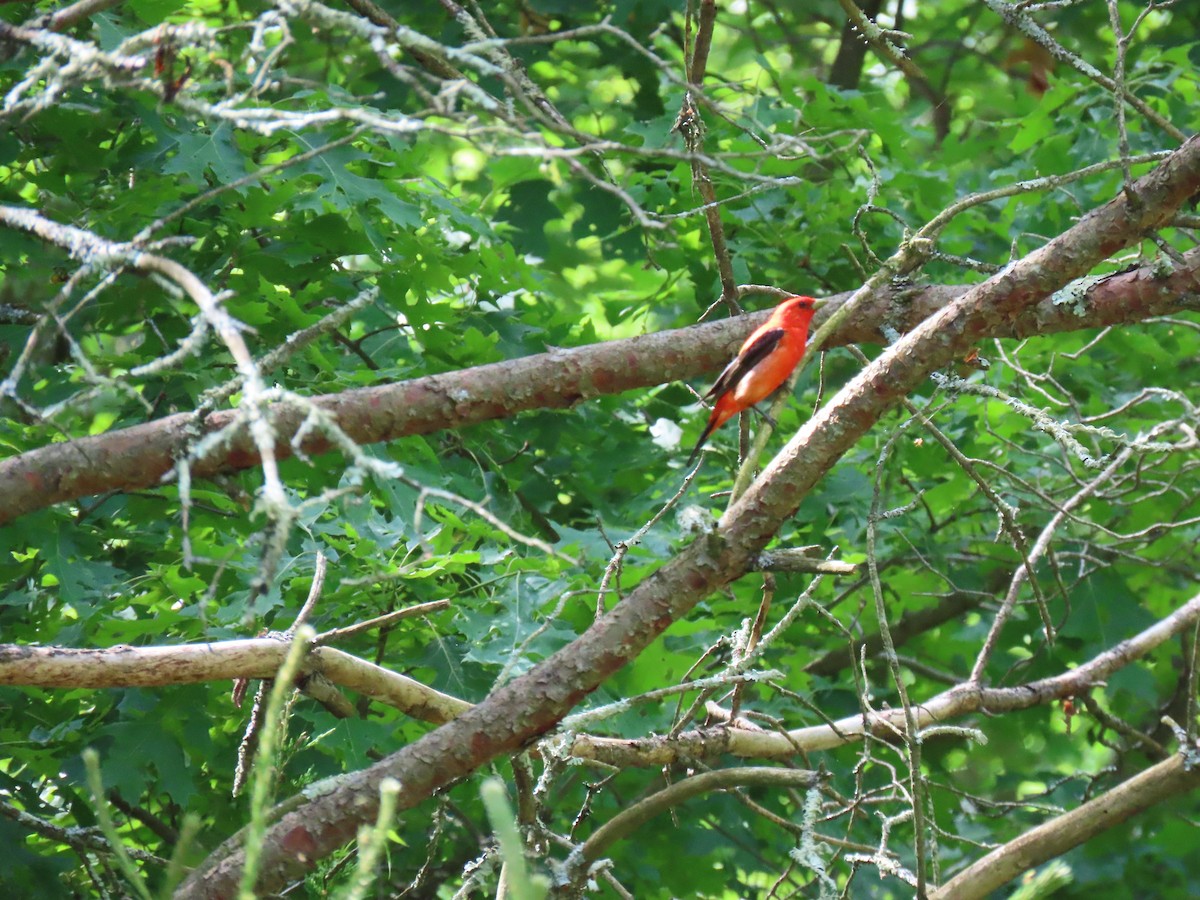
[(746, 360)]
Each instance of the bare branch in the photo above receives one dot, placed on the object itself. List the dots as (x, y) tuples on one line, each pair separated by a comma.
[(195, 663), (142, 455), (959, 701), (1166, 780)]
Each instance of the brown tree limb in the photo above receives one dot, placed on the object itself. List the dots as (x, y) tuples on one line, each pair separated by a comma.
[(56, 667), (798, 560), (1171, 778), (691, 126), (528, 706), (141, 456), (959, 701), (59, 667), (707, 19)]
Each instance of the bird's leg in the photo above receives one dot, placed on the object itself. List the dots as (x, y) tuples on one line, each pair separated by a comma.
[(766, 417)]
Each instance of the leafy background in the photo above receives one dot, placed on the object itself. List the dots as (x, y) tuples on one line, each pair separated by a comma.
[(487, 240)]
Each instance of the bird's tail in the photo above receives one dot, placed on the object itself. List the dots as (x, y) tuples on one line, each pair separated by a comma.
[(708, 429)]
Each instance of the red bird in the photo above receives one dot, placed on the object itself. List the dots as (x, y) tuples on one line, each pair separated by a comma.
[(763, 364)]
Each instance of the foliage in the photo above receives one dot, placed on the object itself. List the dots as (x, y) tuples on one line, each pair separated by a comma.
[(493, 230)]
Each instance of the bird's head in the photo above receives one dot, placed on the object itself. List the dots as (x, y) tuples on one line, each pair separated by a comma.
[(798, 308)]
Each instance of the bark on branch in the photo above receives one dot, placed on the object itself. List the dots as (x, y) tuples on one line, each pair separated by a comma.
[(959, 701), (57, 667), (1171, 778), (143, 455), (528, 706), (60, 667)]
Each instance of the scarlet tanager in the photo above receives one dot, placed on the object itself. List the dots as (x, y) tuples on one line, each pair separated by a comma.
[(763, 364)]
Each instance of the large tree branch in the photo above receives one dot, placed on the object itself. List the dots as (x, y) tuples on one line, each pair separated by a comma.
[(959, 701), (142, 455), (526, 707), (61, 667), (1171, 778), (58, 667)]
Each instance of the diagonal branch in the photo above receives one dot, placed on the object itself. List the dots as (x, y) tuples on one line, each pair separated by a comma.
[(634, 817), (523, 709), (141, 456), (1171, 778)]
